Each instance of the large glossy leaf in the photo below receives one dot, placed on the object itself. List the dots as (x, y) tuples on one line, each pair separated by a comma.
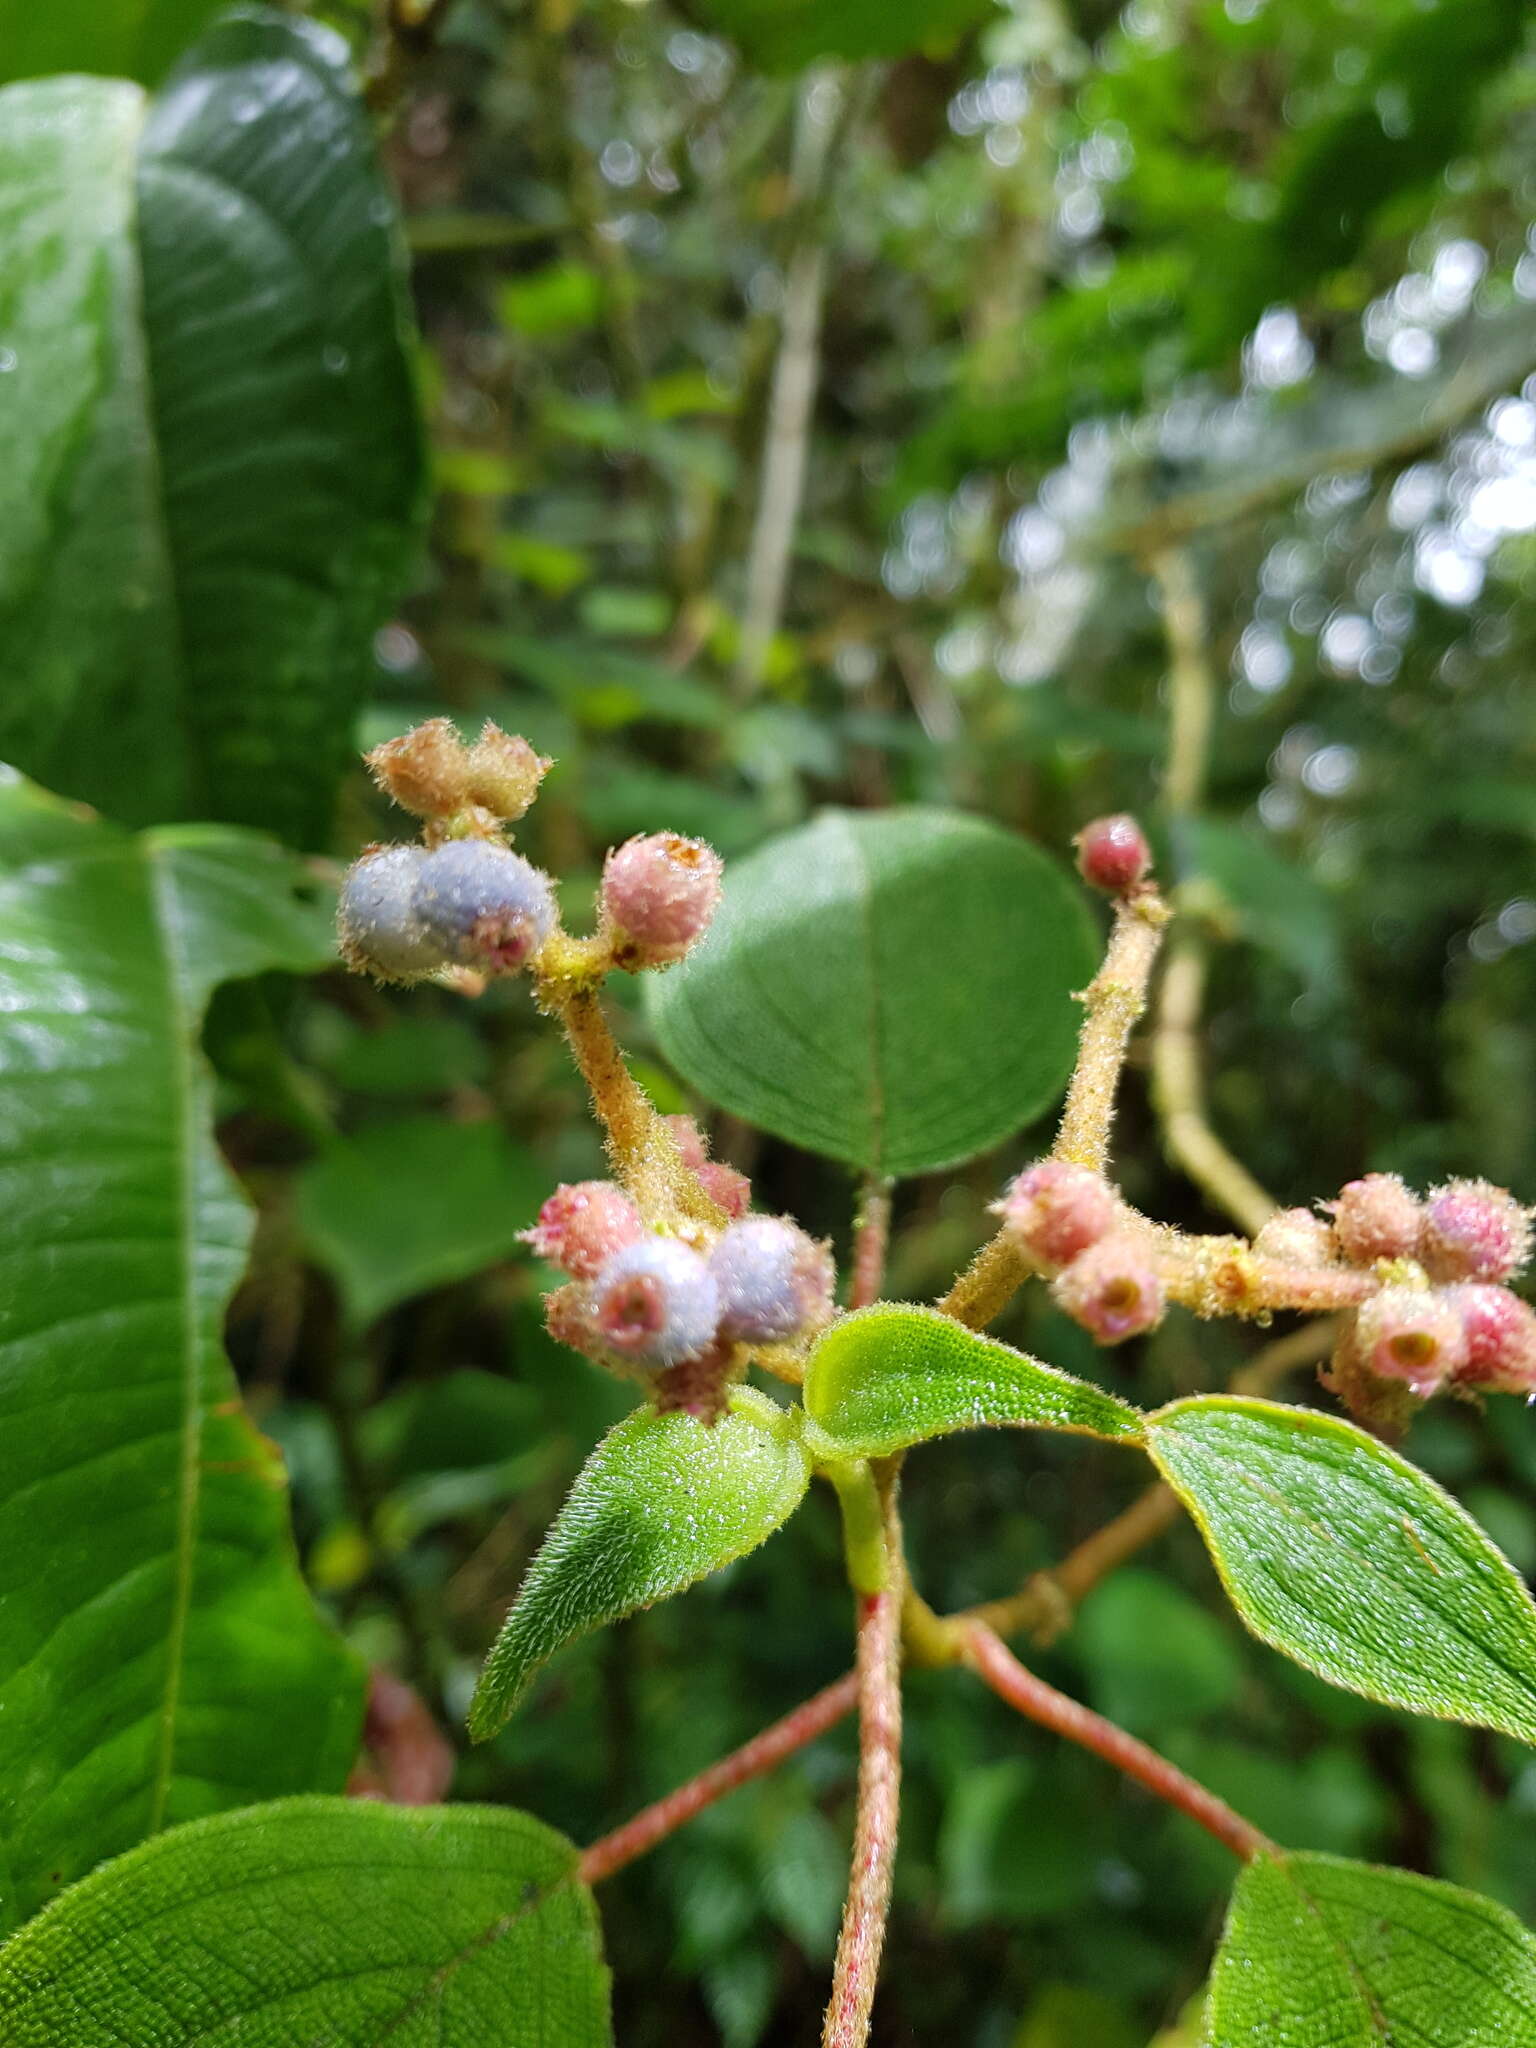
[(315, 1921), (661, 1502), (107, 36), (1352, 1561), (415, 1203), (893, 989), (209, 461), (889, 1377), (159, 1656), (1322, 1953), (783, 35)]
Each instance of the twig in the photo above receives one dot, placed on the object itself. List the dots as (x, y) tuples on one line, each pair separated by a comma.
[(995, 1664), (871, 1237), (1044, 1606), (1113, 1001), (753, 1760), (793, 393), (874, 1844)]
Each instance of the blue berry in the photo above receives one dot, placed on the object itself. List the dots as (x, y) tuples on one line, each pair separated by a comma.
[(484, 906), (774, 1281), (655, 1302), (378, 927)]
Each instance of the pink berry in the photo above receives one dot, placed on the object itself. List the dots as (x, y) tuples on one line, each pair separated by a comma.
[(582, 1225), (656, 1302), (774, 1280), (1376, 1218), (1412, 1334), (1056, 1210), (725, 1187), (659, 893), (1500, 1333), (1295, 1237), (1474, 1231), (1113, 854), (690, 1141), (1113, 1288)]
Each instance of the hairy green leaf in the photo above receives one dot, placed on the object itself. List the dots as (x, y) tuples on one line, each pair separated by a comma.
[(412, 1204), (661, 1502), (320, 1921), (893, 988), (1350, 1560), (209, 459), (103, 36), (159, 1656), (1318, 1950), (784, 35), (889, 1377)]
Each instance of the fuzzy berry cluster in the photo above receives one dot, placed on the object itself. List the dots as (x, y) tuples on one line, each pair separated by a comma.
[(678, 1307), (1071, 1223)]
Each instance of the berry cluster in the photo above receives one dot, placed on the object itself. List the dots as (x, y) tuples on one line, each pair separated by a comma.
[(462, 899), (680, 1310), (1421, 1279)]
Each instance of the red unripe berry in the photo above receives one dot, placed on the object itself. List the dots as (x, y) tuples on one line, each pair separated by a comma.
[(656, 1302), (1113, 854), (659, 893), (582, 1225), (1113, 1289), (690, 1140), (1474, 1231), (1500, 1333), (725, 1187), (1056, 1210), (1295, 1237), (1376, 1217), (1412, 1334)]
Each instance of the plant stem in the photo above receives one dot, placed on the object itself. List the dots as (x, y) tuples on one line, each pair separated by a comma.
[(995, 1664), (652, 1824), (870, 1238), (1113, 1001), (988, 1283), (1178, 1091), (1043, 1607), (874, 1843)]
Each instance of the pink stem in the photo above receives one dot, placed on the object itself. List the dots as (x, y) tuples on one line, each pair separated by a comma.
[(874, 1841)]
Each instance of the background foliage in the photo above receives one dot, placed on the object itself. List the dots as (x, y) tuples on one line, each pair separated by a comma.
[(1078, 284)]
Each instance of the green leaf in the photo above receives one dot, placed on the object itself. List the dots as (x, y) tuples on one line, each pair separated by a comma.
[(209, 457), (893, 989), (159, 1656), (784, 35), (1347, 1558), (661, 1502), (313, 1921), (889, 1377), (1318, 1950), (409, 1205), (103, 36)]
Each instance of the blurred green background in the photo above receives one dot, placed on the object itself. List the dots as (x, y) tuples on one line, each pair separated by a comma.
[(1067, 287)]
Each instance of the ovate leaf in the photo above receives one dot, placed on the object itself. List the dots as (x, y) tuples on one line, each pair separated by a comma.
[(662, 1501), (209, 451), (159, 1656), (1321, 1951), (1351, 1561), (889, 1377), (784, 35), (315, 1921), (893, 989)]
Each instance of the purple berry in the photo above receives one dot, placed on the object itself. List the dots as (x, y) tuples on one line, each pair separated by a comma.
[(656, 1302), (774, 1280), (485, 906), (378, 927)]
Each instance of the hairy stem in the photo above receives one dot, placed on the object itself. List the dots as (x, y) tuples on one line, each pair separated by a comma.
[(1112, 1001), (871, 1237), (753, 1760), (996, 1666), (862, 1936), (1043, 1607)]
